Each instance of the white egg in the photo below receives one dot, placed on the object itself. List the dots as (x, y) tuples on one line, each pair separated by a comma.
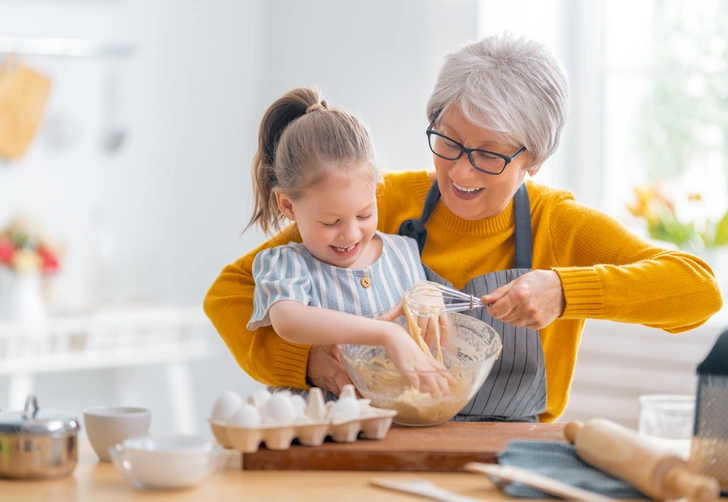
[(246, 416), (346, 408), (279, 409), (259, 398), (315, 406), (348, 391), (299, 404), (225, 406)]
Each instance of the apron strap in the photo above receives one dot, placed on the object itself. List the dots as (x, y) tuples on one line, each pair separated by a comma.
[(415, 227), (524, 241)]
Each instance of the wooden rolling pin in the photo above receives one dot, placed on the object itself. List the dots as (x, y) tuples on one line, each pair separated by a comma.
[(625, 455)]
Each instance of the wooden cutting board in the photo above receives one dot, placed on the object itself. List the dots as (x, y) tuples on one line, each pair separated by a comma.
[(445, 447), (23, 96)]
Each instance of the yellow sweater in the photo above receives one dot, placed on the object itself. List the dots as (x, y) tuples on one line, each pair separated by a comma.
[(606, 273)]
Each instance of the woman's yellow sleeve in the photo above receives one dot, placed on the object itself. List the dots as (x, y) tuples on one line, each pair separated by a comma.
[(264, 355)]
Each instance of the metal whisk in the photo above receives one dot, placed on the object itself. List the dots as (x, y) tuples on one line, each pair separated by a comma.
[(427, 298)]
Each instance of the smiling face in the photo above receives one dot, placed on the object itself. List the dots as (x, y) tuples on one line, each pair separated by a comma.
[(337, 219), (467, 192)]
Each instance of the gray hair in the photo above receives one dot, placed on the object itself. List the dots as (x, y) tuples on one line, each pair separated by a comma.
[(513, 87)]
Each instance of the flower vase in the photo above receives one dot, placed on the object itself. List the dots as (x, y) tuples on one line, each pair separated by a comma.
[(717, 258), (21, 297)]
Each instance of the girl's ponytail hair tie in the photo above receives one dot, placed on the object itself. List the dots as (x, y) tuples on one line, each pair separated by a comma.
[(316, 106)]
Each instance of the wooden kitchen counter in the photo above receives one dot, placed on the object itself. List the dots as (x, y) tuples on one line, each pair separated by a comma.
[(94, 481)]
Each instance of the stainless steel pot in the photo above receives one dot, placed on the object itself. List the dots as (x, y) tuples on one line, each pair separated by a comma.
[(37, 444)]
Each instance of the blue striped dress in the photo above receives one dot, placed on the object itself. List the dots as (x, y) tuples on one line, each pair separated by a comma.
[(290, 272)]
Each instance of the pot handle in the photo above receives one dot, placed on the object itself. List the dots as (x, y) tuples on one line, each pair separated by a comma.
[(30, 402)]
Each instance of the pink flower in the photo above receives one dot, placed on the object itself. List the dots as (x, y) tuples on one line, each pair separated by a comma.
[(50, 262), (6, 252), (27, 247)]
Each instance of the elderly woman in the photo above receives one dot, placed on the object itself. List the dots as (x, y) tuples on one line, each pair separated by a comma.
[(541, 260)]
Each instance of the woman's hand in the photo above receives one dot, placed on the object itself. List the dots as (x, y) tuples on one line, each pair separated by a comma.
[(533, 301), (324, 369)]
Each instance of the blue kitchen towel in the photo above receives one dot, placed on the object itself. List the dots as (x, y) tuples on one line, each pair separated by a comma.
[(560, 462)]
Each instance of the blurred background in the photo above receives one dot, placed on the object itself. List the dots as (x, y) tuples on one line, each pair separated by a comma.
[(127, 128)]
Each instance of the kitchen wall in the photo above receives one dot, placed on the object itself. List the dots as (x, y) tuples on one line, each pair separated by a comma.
[(382, 65), (176, 197), (185, 95)]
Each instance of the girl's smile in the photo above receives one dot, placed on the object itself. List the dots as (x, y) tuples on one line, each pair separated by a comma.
[(346, 251), (337, 218)]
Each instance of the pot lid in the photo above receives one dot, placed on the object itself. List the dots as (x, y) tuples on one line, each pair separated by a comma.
[(38, 422)]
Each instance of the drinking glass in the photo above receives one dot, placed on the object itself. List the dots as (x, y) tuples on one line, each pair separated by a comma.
[(667, 421)]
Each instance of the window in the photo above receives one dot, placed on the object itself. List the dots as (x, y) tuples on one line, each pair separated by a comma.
[(666, 98), (649, 93)]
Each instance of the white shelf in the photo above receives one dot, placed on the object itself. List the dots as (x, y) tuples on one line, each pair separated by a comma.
[(66, 47), (118, 338), (113, 338), (118, 358)]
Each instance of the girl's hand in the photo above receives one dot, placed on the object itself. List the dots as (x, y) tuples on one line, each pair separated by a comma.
[(407, 356), (426, 325), (534, 300)]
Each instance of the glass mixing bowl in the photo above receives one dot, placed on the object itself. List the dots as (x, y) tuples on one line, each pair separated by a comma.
[(472, 348)]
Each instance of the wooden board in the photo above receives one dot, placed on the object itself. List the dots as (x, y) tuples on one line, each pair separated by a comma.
[(23, 96), (445, 447)]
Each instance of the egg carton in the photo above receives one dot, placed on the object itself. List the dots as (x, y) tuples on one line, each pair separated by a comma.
[(311, 427)]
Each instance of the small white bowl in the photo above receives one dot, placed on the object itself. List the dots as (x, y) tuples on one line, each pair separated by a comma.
[(165, 462)]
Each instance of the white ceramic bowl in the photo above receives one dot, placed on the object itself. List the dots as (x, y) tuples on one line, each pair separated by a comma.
[(165, 462), (109, 425)]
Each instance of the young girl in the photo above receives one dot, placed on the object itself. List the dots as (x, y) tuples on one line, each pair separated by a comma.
[(315, 166)]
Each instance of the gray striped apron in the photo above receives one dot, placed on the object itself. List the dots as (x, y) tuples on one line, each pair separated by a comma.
[(515, 389)]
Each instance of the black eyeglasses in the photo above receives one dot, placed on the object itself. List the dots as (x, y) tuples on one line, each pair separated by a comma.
[(482, 160)]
